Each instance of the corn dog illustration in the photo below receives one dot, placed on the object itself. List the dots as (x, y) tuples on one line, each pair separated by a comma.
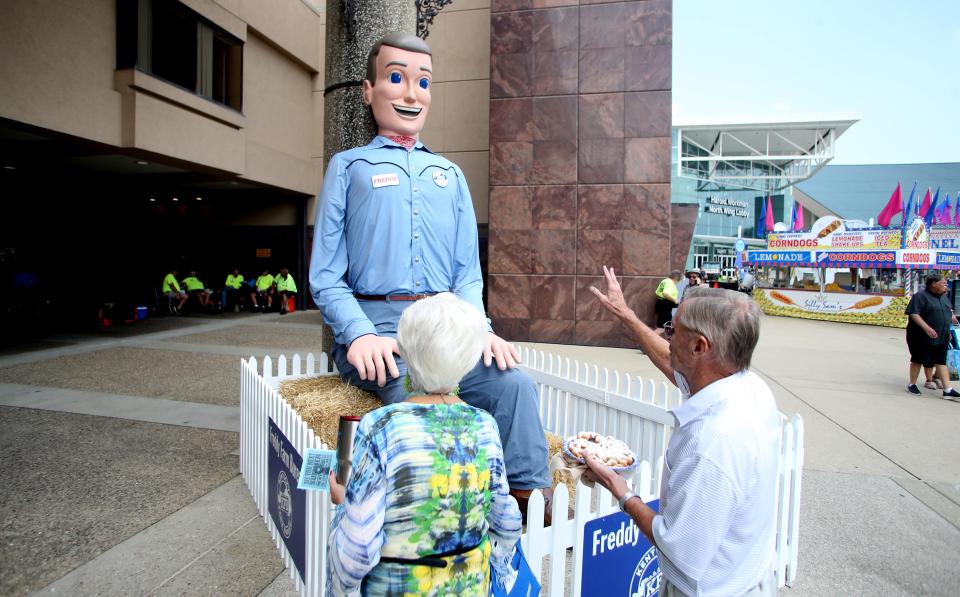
[(830, 228), (782, 298), (873, 301)]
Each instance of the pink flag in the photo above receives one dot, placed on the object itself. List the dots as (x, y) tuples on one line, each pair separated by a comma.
[(893, 207), (925, 206), (769, 222), (798, 221)]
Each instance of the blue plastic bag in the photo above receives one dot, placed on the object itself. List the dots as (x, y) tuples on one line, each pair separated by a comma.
[(526, 584)]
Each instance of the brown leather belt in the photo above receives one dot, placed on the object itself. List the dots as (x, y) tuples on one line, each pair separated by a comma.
[(393, 297)]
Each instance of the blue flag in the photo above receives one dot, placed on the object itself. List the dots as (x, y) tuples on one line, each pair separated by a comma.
[(910, 208)]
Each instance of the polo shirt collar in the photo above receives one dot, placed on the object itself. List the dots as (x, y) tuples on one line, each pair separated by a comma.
[(694, 406), (381, 141)]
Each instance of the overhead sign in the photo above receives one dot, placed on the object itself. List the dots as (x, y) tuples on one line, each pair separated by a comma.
[(831, 233), (774, 257), (948, 259), (944, 238), (286, 503), (726, 207), (861, 258), (618, 559), (916, 257)]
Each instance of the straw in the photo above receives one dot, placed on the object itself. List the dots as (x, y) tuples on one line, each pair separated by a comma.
[(321, 401)]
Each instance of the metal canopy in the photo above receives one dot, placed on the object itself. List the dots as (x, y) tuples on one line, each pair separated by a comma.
[(765, 157)]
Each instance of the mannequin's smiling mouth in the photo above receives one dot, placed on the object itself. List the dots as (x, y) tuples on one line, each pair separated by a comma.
[(407, 111)]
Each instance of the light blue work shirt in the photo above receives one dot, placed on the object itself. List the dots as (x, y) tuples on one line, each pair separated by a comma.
[(391, 221)]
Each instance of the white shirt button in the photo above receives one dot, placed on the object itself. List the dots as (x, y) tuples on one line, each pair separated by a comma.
[(416, 235), (416, 260), (418, 282), (416, 212)]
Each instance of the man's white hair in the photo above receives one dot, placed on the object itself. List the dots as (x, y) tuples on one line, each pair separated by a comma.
[(441, 339)]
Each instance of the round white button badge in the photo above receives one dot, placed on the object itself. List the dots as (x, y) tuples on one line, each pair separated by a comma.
[(440, 179)]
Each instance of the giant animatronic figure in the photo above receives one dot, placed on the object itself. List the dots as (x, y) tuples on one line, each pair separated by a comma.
[(395, 224)]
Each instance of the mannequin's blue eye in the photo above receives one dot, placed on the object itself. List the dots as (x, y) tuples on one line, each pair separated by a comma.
[(424, 83), (394, 77)]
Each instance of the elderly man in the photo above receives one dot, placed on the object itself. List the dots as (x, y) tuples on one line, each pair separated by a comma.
[(395, 224), (928, 334), (715, 531)]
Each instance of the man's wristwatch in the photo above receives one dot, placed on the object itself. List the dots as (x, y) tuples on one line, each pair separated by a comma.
[(622, 500)]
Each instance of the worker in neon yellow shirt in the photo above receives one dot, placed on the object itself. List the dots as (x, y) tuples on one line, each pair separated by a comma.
[(230, 293), (196, 288), (286, 288), (171, 290), (266, 288), (667, 297)]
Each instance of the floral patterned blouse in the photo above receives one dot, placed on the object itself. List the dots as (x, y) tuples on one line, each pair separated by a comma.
[(427, 479)]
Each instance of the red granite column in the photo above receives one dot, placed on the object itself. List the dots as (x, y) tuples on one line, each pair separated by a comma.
[(579, 163)]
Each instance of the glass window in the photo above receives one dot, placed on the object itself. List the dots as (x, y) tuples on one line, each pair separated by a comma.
[(172, 42)]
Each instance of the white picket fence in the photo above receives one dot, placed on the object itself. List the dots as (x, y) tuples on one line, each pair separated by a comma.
[(573, 397)]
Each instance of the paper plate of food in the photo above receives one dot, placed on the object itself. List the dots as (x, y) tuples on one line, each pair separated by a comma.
[(605, 448)]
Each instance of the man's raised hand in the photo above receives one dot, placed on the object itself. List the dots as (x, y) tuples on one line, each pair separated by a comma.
[(372, 357), (502, 351), (613, 300)]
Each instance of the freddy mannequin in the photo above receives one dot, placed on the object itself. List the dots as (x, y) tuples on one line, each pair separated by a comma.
[(395, 223)]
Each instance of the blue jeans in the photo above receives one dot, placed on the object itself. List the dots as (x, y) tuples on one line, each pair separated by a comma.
[(510, 396)]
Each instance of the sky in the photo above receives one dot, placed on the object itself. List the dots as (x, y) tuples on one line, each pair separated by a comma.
[(892, 64)]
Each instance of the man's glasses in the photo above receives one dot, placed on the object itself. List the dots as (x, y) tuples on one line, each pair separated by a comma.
[(669, 330)]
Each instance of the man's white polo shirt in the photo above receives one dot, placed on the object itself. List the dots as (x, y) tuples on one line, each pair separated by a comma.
[(715, 532)]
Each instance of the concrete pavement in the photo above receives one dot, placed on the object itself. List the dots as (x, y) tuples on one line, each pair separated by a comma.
[(119, 459)]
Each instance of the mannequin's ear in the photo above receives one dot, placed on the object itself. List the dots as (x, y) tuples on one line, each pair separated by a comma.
[(367, 92)]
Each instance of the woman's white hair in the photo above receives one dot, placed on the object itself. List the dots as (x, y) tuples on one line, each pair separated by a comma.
[(441, 339)]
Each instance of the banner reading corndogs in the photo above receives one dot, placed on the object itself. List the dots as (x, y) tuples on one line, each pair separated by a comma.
[(831, 233)]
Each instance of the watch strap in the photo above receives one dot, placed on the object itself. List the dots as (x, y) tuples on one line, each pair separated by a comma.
[(622, 500)]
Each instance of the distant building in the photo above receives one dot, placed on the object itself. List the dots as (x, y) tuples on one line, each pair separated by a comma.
[(727, 170)]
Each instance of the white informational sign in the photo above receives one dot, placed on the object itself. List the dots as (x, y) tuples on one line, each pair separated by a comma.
[(827, 302)]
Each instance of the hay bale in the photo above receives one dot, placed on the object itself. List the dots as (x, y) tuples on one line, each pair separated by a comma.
[(321, 401), (555, 446)]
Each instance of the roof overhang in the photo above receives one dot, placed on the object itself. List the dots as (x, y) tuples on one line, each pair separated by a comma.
[(766, 157)]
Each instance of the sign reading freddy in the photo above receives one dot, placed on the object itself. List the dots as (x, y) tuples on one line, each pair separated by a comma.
[(287, 504), (618, 559)]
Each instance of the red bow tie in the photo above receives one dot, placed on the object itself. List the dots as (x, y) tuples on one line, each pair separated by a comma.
[(405, 140)]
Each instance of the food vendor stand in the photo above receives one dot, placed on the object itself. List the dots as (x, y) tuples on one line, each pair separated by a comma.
[(847, 271)]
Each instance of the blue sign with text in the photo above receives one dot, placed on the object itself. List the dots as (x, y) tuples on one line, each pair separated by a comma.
[(948, 258), (618, 559), (775, 256), (287, 504)]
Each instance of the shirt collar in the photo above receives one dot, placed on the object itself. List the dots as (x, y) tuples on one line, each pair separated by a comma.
[(381, 141), (699, 403)]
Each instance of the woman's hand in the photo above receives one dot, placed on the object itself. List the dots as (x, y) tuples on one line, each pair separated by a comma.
[(338, 493)]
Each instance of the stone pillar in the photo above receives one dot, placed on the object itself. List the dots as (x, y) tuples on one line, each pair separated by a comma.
[(580, 116), (347, 121)]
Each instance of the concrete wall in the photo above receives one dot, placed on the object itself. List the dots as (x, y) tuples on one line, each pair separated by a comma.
[(57, 64), (458, 126)]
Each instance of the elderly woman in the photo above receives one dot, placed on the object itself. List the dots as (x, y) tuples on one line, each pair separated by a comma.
[(427, 508)]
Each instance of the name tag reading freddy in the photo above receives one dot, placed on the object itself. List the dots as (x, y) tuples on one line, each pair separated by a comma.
[(315, 473), (385, 180)]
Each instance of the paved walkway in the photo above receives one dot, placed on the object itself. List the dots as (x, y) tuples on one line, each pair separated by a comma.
[(119, 453)]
